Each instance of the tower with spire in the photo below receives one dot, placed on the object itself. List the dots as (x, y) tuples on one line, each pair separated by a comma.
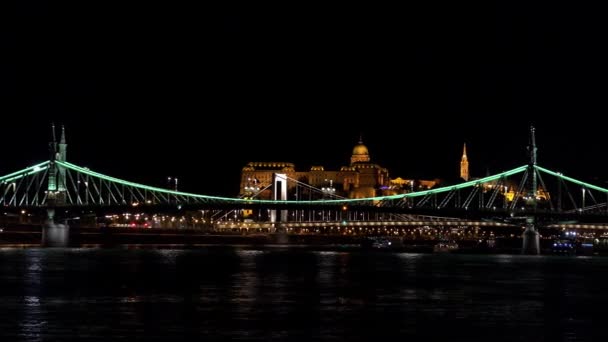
[(61, 156), (52, 177), (57, 175), (464, 164)]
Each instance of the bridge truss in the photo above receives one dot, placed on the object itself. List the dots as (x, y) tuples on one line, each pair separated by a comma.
[(63, 184)]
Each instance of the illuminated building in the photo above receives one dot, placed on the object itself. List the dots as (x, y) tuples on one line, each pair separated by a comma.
[(361, 178), (507, 187)]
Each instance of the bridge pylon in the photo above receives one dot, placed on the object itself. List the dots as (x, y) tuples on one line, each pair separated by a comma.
[(53, 234), (279, 191), (530, 237), (57, 180), (531, 243)]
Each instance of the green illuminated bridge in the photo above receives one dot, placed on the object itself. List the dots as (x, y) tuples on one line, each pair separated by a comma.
[(522, 191)]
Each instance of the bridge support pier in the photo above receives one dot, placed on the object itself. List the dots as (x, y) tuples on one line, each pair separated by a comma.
[(531, 244), (54, 234)]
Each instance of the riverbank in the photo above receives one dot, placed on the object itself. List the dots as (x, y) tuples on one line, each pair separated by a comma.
[(31, 236)]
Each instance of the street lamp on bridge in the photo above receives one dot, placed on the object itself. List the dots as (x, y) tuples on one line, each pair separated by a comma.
[(172, 183), (329, 190)]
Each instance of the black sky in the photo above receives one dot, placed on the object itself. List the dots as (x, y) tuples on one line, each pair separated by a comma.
[(144, 88)]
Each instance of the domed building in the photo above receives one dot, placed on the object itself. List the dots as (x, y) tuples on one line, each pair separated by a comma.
[(361, 178), (360, 153)]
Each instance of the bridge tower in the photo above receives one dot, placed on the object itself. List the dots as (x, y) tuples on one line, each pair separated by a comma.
[(56, 188), (464, 164), (56, 235), (530, 236), (52, 177), (279, 190), (61, 156)]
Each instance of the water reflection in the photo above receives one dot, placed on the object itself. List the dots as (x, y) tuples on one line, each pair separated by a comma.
[(31, 326), (282, 294), (55, 235)]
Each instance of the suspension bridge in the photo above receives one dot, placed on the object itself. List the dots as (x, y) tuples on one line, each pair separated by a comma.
[(527, 195)]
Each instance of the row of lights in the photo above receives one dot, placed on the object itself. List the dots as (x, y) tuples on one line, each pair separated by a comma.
[(329, 189)]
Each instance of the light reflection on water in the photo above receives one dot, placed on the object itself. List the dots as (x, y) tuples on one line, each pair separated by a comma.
[(231, 293)]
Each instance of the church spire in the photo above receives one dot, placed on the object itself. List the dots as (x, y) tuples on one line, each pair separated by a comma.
[(464, 164)]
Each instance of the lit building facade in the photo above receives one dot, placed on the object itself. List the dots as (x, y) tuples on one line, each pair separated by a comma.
[(507, 187), (361, 178)]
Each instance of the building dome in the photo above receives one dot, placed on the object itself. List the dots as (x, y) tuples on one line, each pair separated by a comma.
[(360, 150), (360, 153)]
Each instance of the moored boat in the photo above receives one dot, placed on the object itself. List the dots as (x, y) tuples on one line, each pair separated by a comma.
[(445, 246)]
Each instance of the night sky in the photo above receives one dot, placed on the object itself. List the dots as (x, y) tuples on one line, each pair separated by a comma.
[(144, 88)]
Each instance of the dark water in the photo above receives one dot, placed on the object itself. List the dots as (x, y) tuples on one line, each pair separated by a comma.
[(285, 295)]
